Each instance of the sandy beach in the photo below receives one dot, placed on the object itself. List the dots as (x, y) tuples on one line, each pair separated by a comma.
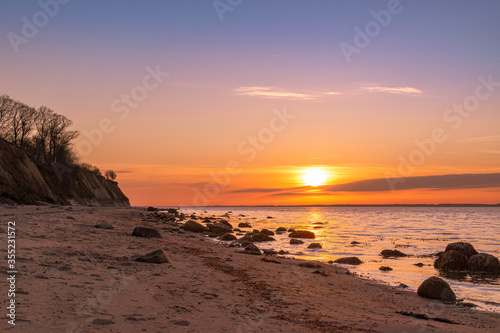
[(73, 277)]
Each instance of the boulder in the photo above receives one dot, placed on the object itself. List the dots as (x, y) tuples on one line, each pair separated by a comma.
[(155, 257), (262, 238), (252, 249), (436, 288), (315, 246), (226, 223), (310, 264), (302, 234), (227, 237), (392, 253), (295, 241), (281, 229), (152, 209), (385, 268), (146, 232), (103, 225), (219, 228), (465, 248), (194, 226), (349, 261), (244, 225), (267, 232), (484, 263), (451, 261)]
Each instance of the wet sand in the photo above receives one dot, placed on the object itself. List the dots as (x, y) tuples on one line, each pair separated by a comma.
[(73, 277)]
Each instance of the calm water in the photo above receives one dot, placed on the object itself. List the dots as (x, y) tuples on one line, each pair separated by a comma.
[(415, 231)]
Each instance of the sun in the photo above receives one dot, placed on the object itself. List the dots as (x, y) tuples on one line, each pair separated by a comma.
[(315, 176)]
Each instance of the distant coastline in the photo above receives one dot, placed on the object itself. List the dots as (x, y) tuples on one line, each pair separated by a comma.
[(350, 205)]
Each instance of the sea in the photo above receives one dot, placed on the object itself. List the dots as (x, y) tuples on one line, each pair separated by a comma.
[(416, 231)]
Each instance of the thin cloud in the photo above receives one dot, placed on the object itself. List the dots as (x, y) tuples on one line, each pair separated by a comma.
[(394, 90), (435, 183), (441, 182), (334, 93), (489, 151), (490, 138), (270, 92)]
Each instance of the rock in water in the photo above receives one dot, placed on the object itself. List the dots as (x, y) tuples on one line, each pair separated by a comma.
[(244, 225), (252, 249), (281, 229), (146, 232), (302, 234), (155, 257), (103, 225), (267, 232), (227, 237), (194, 226), (262, 238), (349, 261), (385, 268), (465, 248), (219, 228), (450, 261), (294, 241), (436, 288), (226, 223), (484, 263), (392, 253), (315, 246)]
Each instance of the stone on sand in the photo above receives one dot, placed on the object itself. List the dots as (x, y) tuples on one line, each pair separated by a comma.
[(310, 264), (252, 249), (436, 288), (194, 226), (155, 257), (103, 225), (227, 237), (146, 232)]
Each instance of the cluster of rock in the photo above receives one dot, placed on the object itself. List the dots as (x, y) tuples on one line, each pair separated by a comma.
[(224, 231), (463, 257), (457, 257)]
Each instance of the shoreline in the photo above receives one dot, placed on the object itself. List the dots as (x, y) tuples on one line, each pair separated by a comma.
[(73, 277)]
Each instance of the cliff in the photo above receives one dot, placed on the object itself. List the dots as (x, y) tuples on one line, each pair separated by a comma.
[(23, 181)]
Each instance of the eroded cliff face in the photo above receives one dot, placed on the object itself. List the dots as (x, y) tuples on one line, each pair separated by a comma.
[(22, 181)]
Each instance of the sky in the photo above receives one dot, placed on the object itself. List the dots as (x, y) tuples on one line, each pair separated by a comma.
[(269, 102)]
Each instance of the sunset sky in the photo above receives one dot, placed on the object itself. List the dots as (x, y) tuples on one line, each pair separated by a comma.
[(259, 102)]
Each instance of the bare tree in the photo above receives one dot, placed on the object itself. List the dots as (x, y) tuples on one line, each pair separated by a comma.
[(6, 108), (110, 175), (43, 133), (17, 121)]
